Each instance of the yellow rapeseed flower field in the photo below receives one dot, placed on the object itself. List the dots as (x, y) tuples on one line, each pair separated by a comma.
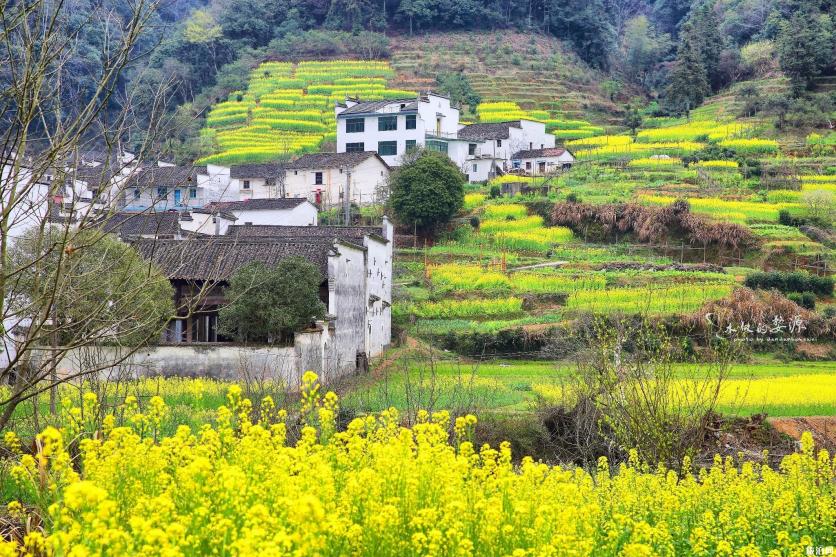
[(378, 488)]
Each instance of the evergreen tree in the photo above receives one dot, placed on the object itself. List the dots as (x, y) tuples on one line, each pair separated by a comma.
[(689, 79), (804, 47), (707, 30)]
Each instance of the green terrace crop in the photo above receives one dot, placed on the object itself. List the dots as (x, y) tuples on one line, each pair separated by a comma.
[(288, 109)]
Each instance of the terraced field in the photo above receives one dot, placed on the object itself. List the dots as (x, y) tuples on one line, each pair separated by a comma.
[(536, 72), (288, 109)]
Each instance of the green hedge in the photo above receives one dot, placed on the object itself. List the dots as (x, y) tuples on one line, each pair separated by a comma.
[(797, 281)]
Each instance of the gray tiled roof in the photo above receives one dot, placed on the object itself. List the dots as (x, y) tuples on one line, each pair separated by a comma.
[(534, 153), (166, 176), (374, 106), (498, 130), (266, 171), (93, 176), (132, 225), (352, 234), (218, 258), (256, 204), (331, 160)]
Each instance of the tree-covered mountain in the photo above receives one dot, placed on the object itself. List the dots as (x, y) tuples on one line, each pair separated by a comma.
[(673, 51)]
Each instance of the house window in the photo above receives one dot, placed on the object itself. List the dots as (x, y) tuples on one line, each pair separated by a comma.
[(475, 168), (355, 147), (387, 123), (499, 143), (387, 148), (162, 193), (411, 121), (355, 125), (435, 145), (471, 149), (192, 193), (528, 165), (318, 178), (246, 184), (137, 193), (530, 145), (410, 145)]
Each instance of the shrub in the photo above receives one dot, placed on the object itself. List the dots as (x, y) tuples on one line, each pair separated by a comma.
[(807, 300), (796, 281)]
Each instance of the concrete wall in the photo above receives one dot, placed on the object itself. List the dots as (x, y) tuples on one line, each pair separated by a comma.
[(370, 136), (378, 295), (304, 214), (347, 300), (311, 351)]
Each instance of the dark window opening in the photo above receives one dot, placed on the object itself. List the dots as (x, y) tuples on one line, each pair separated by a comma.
[(387, 123), (387, 148), (355, 125)]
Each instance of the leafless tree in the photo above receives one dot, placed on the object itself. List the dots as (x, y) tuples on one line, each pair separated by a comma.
[(53, 199)]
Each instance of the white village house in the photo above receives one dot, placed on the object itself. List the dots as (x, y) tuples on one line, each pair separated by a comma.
[(282, 211), (393, 127), (356, 268), (539, 162), (256, 181), (325, 177)]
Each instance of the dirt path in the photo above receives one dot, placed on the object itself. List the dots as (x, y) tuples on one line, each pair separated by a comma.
[(823, 429), (379, 368)]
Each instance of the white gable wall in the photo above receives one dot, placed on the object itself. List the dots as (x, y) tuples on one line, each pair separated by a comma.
[(366, 179), (304, 214)]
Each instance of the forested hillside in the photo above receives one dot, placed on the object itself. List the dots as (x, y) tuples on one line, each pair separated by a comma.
[(594, 56)]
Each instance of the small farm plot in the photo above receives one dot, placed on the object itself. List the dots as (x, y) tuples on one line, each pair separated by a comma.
[(288, 109)]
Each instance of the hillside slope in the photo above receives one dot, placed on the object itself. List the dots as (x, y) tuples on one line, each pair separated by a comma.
[(536, 71)]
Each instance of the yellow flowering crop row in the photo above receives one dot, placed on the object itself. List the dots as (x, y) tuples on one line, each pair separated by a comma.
[(284, 98), (239, 488), (717, 164), (722, 208), (654, 163), (693, 131)]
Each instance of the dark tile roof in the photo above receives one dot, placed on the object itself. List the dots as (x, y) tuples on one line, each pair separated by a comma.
[(218, 258), (374, 106), (210, 211), (353, 234), (256, 204), (166, 176), (534, 153), (266, 171), (133, 225), (93, 176), (498, 130), (331, 160)]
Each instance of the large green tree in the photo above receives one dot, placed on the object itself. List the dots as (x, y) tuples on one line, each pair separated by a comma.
[(427, 191), (270, 304), (805, 46)]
